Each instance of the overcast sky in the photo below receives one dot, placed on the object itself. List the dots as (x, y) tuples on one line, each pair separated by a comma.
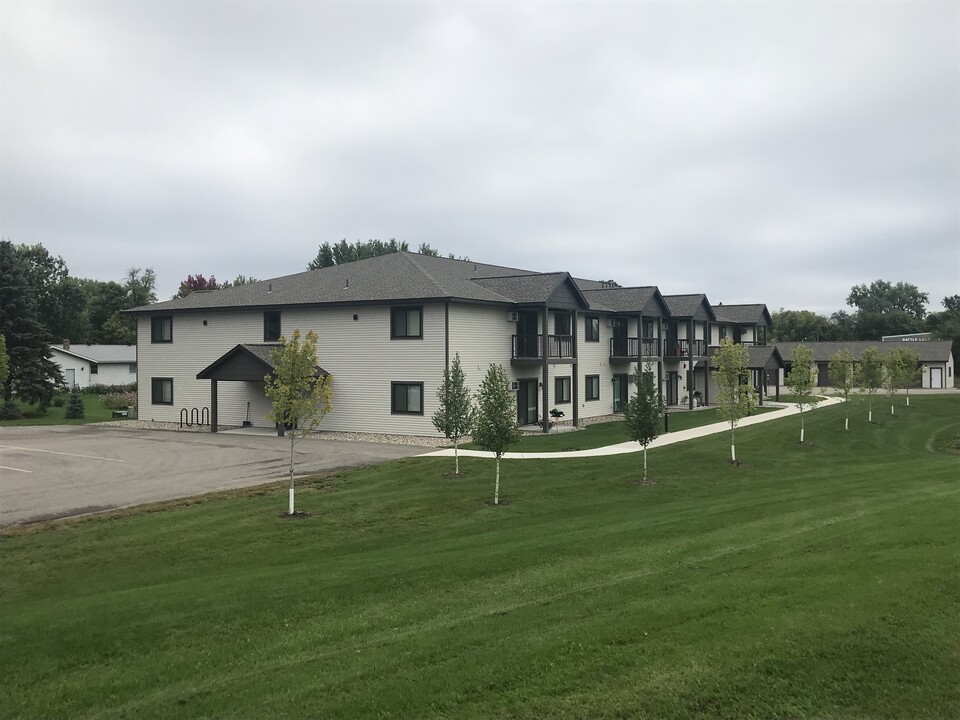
[(775, 152)]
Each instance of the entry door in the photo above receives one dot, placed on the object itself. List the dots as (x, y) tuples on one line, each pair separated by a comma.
[(621, 386), (71, 377), (527, 397), (673, 388), (936, 377)]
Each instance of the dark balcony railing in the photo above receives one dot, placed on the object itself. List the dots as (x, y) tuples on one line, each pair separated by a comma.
[(629, 347), (681, 348), (530, 347), (623, 347), (527, 347), (560, 346)]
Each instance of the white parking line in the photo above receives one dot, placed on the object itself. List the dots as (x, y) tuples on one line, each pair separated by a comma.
[(4, 467), (54, 452)]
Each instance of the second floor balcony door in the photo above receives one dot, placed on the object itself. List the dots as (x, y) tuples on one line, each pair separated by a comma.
[(620, 337), (527, 334)]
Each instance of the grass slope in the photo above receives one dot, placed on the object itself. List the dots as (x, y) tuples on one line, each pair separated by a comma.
[(815, 581)]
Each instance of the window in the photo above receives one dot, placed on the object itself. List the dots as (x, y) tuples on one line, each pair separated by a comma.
[(561, 324), (94, 368), (407, 398), (648, 330), (132, 368), (562, 390), (405, 322), (592, 328), (161, 329), (592, 391), (161, 391), (271, 326)]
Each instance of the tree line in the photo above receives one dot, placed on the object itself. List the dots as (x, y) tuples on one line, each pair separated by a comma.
[(878, 309)]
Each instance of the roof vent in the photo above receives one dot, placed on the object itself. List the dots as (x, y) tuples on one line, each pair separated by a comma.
[(474, 267), (270, 287), (346, 283)]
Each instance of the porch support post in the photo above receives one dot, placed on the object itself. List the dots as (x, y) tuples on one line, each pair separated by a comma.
[(213, 406), (640, 341), (690, 376), (574, 399), (545, 399), (706, 380)]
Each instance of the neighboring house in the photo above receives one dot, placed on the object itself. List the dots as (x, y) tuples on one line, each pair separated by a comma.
[(389, 326), (936, 358), (85, 365)]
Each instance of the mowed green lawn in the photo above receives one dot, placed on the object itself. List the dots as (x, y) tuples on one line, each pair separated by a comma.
[(813, 582), (93, 410)]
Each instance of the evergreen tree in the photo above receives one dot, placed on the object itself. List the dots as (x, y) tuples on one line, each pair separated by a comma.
[(33, 376), (844, 376), (736, 397), (496, 427), (801, 381), (456, 414), (75, 409), (643, 413)]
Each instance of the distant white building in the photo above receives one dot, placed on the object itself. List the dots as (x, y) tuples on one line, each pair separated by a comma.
[(85, 365)]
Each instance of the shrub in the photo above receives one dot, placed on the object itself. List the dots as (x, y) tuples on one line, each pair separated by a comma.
[(119, 401), (60, 399), (11, 410), (109, 389), (75, 409)]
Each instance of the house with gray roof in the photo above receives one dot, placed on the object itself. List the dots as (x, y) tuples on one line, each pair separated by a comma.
[(85, 365), (389, 326)]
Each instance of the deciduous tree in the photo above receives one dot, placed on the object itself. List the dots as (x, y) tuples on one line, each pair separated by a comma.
[(801, 380), (736, 396), (885, 308), (301, 394), (844, 376), (871, 376), (455, 414), (197, 283), (496, 427), (900, 368), (643, 413)]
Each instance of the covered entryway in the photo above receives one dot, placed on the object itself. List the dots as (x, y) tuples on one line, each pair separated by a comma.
[(244, 363)]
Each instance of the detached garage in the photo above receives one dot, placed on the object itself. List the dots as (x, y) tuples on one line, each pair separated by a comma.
[(936, 358)]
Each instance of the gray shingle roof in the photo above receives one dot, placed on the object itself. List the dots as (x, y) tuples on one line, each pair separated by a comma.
[(932, 351), (633, 299), (398, 276), (529, 288), (687, 305), (755, 314), (102, 354), (758, 356)]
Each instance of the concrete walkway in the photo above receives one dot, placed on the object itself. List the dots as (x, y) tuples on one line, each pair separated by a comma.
[(632, 446)]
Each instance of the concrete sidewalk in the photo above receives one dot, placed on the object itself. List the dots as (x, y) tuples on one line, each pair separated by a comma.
[(632, 446)]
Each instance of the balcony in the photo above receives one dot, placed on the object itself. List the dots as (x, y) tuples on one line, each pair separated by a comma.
[(627, 348), (530, 347), (681, 348)]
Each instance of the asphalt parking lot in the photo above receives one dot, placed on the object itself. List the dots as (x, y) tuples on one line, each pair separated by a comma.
[(63, 471)]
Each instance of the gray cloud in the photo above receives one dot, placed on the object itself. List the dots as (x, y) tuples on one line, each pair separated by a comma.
[(776, 152)]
